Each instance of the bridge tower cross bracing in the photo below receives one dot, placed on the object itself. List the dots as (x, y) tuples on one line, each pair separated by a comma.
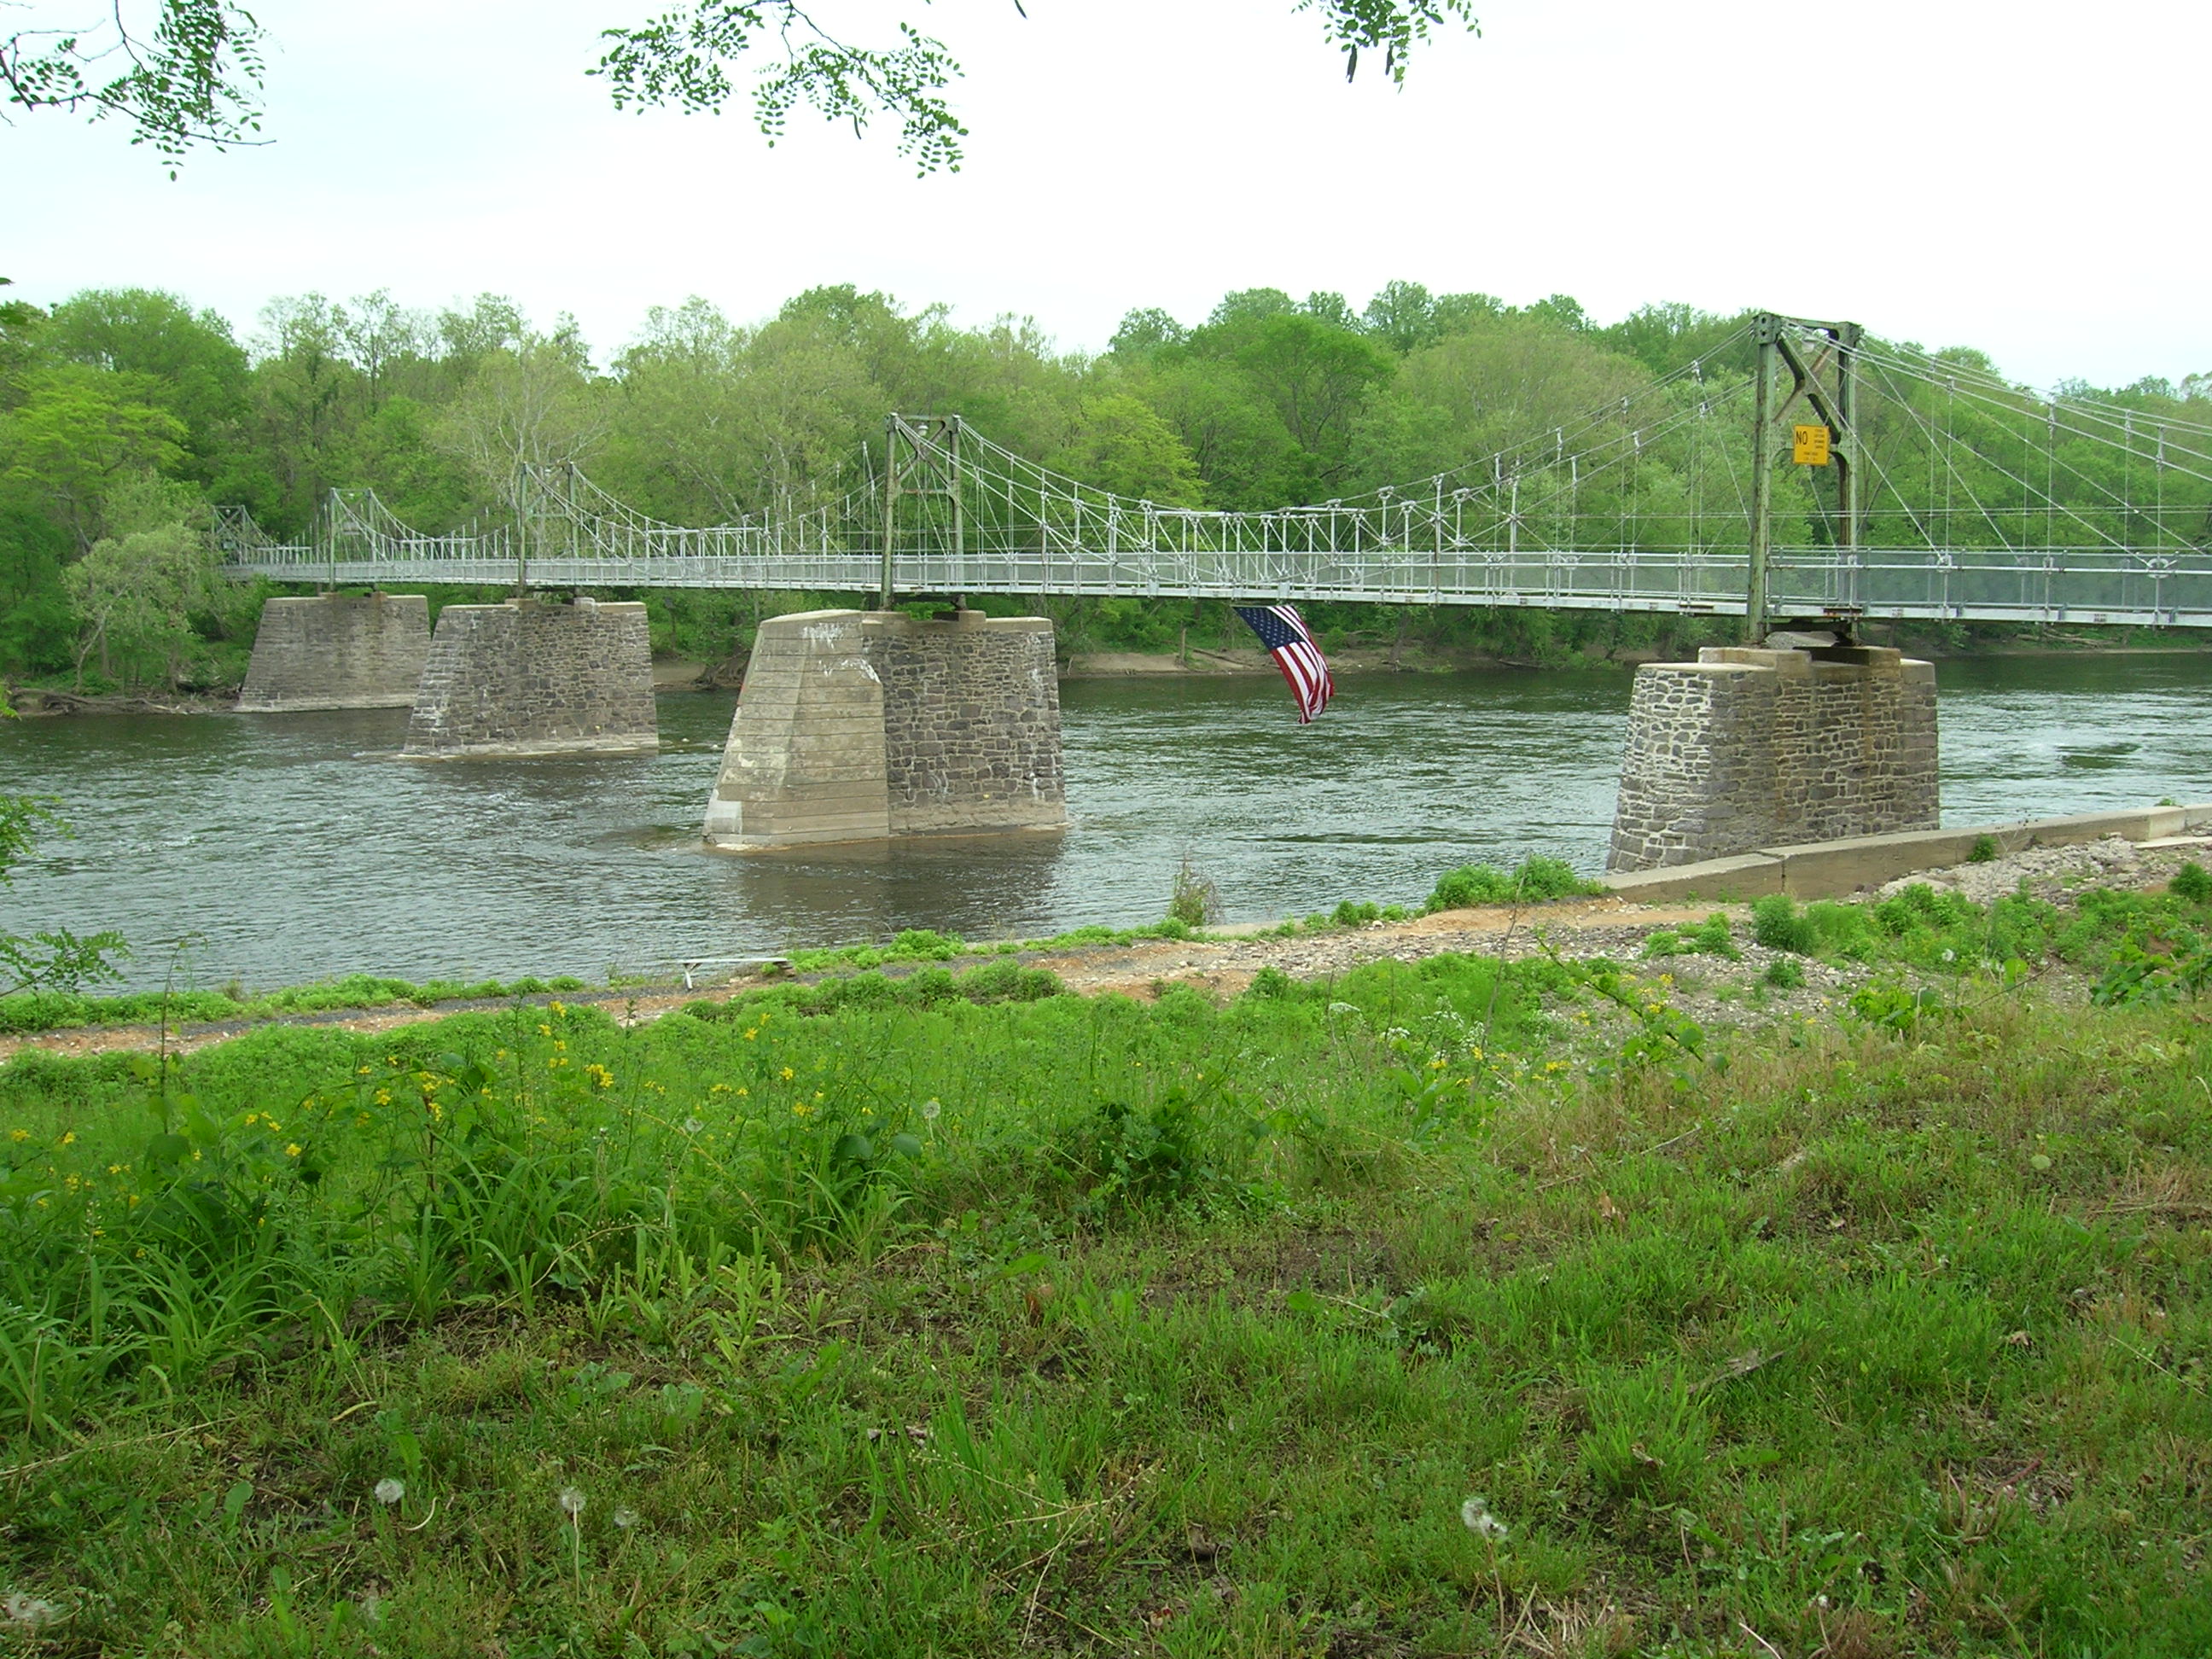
[(922, 461), (1826, 380)]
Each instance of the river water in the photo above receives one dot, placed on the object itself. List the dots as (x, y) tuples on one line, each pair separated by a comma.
[(279, 850)]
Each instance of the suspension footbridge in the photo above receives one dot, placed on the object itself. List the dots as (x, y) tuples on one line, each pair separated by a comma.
[(1799, 468)]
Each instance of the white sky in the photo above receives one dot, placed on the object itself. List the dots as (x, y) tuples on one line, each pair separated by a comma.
[(2018, 175)]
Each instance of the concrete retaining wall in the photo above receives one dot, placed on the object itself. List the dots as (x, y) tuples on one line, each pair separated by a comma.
[(337, 651), (861, 726), (1746, 748), (528, 677), (1836, 869)]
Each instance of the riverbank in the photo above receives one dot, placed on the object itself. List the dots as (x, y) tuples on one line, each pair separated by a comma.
[(1429, 1306), (1220, 962)]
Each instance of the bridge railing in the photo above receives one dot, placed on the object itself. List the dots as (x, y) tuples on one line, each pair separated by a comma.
[(2067, 585)]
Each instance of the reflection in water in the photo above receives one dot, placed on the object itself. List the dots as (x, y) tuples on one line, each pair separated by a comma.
[(289, 855)]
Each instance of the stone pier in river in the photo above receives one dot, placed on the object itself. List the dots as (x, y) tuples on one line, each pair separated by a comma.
[(530, 677), (1749, 749), (864, 726), (337, 651)]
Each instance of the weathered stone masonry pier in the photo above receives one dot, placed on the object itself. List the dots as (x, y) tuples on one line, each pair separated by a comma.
[(526, 676), (1749, 748), (337, 651), (862, 725)]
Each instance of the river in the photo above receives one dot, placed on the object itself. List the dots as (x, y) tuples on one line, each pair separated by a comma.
[(272, 849)]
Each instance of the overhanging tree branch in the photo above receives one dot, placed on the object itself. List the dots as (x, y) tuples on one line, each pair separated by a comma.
[(194, 79), (681, 59)]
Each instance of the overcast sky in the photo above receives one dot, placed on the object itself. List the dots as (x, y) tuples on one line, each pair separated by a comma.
[(2020, 176)]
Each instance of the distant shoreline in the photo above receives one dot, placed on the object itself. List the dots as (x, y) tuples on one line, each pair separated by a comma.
[(686, 675)]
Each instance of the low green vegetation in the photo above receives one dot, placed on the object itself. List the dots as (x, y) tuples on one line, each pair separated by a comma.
[(1534, 881), (2136, 946), (1711, 936), (46, 1011), (1435, 1307)]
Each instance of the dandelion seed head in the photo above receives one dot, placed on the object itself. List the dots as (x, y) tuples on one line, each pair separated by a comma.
[(390, 1491), (572, 1501), (692, 1126), (930, 1109), (625, 1517), (28, 1612), (1475, 1515)]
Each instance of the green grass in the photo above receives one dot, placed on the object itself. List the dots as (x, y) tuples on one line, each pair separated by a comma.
[(944, 1315), (46, 1011)]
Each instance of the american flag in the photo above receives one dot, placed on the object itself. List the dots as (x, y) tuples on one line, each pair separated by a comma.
[(1283, 631)]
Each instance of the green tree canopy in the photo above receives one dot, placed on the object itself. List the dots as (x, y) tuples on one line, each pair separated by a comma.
[(77, 431)]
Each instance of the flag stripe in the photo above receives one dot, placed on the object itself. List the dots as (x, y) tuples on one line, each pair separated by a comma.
[(1304, 670)]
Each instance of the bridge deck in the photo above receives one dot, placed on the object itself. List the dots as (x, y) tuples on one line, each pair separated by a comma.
[(2078, 585)]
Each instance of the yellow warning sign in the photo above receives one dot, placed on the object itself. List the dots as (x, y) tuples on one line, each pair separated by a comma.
[(1808, 446)]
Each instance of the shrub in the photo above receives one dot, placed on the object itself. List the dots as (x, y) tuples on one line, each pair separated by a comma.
[(1536, 880), (1919, 910), (1785, 974), (1776, 924), (2193, 883), (1985, 850)]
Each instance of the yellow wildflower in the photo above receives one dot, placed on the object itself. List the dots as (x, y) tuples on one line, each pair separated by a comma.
[(292, 1149), (69, 1139), (787, 1075), (751, 1032), (19, 1134)]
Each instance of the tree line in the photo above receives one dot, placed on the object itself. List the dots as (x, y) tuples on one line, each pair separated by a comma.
[(127, 414)]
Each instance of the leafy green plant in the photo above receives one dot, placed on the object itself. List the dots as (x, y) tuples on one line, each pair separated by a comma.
[(1776, 924), (2148, 969), (1534, 881), (2192, 883), (1895, 1008), (1984, 851)]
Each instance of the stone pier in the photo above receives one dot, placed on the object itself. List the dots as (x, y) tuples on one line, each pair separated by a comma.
[(337, 651), (529, 677), (864, 726), (1751, 748)]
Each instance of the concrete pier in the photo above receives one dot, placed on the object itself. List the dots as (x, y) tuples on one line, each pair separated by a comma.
[(864, 726), (1750, 747), (337, 651), (527, 676)]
